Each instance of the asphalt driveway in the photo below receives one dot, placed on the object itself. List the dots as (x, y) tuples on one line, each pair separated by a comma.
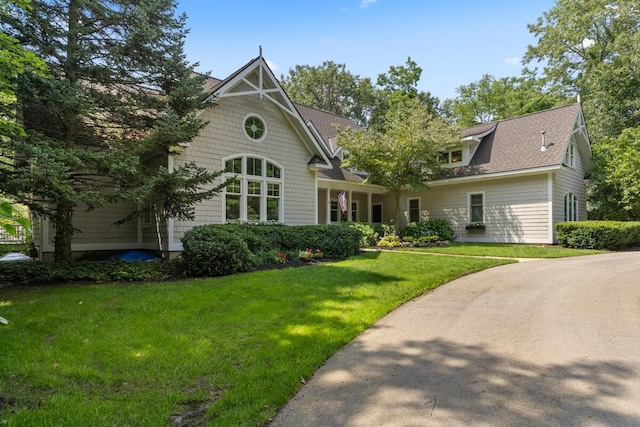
[(545, 343)]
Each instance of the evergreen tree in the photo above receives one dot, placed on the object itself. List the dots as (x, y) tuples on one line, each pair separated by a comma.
[(119, 90)]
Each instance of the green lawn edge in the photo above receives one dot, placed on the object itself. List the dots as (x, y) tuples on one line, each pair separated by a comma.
[(218, 351)]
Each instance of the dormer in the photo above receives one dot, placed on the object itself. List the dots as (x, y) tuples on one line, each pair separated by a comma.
[(462, 154)]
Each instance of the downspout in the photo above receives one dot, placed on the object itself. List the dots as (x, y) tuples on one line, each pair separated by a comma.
[(550, 207)]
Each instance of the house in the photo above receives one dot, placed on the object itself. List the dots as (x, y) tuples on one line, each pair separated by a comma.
[(511, 179)]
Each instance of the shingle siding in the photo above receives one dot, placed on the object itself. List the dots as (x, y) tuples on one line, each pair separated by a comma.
[(224, 137), (515, 209)]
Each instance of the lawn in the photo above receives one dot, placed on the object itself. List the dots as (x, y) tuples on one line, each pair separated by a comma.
[(506, 250), (220, 351)]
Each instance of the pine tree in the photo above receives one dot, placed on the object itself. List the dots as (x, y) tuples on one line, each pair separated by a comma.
[(119, 98)]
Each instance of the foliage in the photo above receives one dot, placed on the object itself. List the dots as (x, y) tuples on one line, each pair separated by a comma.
[(9, 220), (234, 346), (330, 87), (434, 227), (215, 251), (369, 234), (119, 89), (614, 191), (609, 235), (403, 153), (35, 272), (491, 99), (14, 61), (221, 249), (398, 87), (593, 49), (310, 254), (391, 241)]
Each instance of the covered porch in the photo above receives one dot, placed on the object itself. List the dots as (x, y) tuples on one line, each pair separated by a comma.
[(361, 203)]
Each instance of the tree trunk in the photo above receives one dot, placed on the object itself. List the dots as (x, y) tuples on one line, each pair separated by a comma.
[(63, 222), (396, 221)]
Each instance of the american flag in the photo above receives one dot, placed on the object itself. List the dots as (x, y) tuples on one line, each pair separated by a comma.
[(342, 201)]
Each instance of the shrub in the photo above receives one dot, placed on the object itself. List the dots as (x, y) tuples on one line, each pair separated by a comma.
[(212, 250), (610, 235), (220, 249), (433, 227), (35, 272), (391, 241), (369, 234)]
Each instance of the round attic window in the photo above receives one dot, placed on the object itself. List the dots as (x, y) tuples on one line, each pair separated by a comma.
[(254, 127)]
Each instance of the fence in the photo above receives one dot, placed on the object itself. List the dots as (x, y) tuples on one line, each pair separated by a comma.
[(19, 239)]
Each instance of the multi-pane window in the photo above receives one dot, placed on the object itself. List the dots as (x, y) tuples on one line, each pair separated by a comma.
[(334, 211), (570, 207), (476, 207), (256, 192), (414, 210), (570, 155)]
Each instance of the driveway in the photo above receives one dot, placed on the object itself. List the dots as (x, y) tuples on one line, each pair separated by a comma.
[(548, 343)]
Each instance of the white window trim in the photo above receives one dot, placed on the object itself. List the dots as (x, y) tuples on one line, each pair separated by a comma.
[(409, 200), (357, 211), (264, 134), (570, 198), (243, 177), (484, 204), (570, 155)]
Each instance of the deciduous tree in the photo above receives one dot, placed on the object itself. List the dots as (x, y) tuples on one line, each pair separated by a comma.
[(592, 48), (405, 152), (492, 99)]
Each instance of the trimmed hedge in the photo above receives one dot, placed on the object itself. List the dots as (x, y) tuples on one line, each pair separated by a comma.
[(221, 249), (609, 235), (433, 227), (35, 272)]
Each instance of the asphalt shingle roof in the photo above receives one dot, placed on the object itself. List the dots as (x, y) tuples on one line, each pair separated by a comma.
[(515, 143)]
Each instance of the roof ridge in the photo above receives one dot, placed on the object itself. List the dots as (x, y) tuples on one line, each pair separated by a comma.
[(495, 122), (536, 112), (320, 110)]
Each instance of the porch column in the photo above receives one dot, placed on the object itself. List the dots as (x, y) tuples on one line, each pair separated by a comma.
[(369, 208), (327, 207)]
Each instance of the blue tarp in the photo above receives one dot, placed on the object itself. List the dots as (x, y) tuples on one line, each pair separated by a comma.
[(135, 256)]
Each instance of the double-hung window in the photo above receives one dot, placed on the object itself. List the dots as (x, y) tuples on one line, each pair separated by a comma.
[(476, 207), (414, 210), (255, 194)]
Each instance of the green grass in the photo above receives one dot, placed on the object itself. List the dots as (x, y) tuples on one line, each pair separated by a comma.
[(506, 250), (232, 349)]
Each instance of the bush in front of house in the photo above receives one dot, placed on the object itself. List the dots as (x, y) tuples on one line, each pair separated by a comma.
[(611, 235), (433, 227), (221, 249), (369, 234), (215, 251), (36, 272)]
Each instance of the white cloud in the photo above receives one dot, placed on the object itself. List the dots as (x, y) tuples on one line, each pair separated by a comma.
[(273, 66), (366, 3), (514, 60)]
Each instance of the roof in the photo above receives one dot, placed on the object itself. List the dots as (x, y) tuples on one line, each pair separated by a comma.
[(324, 122), (515, 143), (339, 173)]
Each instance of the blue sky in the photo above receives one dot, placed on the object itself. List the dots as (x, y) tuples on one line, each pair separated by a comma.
[(455, 42)]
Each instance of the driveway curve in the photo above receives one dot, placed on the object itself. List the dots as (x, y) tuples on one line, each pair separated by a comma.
[(549, 343)]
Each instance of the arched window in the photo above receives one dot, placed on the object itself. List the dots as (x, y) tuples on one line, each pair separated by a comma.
[(570, 207), (256, 193)]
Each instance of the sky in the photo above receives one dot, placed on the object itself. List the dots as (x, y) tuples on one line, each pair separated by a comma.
[(455, 42)]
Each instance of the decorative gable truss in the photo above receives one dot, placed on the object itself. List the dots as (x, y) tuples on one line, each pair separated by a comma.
[(256, 78), (580, 141)]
